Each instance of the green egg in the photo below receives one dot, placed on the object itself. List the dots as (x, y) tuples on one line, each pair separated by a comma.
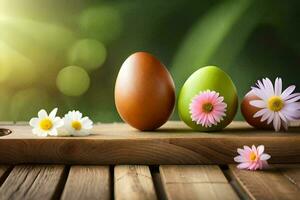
[(208, 78)]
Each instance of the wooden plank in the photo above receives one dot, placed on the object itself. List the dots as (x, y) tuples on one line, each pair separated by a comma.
[(195, 182), (33, 182), (269, 184), (4, 169), (133, 182), (292, 172), (87, 182), (174, 143)]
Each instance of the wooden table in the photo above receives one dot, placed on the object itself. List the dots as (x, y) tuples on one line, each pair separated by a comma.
[(118, 162)]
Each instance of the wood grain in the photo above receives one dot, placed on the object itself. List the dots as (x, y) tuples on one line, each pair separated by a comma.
[(4, 169), (133, 182), (174, 143), (291, 172), (33, 182), (270, 184), (87, 182), (195, 182)]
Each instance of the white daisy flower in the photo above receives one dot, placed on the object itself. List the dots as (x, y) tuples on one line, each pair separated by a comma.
[(77, 125), (45, 124), (276, 106)]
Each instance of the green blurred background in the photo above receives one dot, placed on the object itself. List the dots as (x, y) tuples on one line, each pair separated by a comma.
[(67, 53)]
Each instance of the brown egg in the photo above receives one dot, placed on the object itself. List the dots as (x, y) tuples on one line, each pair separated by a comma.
[(248, 111), (144, 92)]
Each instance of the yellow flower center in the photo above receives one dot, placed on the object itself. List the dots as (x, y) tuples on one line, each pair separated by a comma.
[(207, 107), (76, 125), (252, 156), (275, 103), (46, 124)]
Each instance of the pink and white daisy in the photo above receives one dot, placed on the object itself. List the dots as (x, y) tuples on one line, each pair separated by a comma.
[(208, 108), (276, 106), (252, 158)]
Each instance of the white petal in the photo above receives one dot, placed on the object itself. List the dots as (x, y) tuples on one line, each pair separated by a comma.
[(258, 103), (276, 122), (39, 132), (42, 114), (278, 86), (34, 122), (288, 91), (239, 159), (240, 151), (265, 156), (58, 122), (271, 117), (269, 87), (259, 93), (260, 112), (86, 121), (292, 100), (282, 117), (266, 116), (260, 149), (291, 96), (53, 132), (53, 113)]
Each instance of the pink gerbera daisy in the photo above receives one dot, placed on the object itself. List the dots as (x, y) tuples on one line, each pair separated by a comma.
[(208, 108), (276, 106), (252, 159)]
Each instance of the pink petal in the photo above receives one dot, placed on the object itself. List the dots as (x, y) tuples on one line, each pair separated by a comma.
[(264, 164), (243, 165), (247, 149)]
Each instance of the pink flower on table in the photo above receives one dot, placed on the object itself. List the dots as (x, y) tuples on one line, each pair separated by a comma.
[(252, 158), (208, 108)]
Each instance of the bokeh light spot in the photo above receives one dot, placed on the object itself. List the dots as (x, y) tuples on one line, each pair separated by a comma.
[(26, 103), (103, 23), (73, 81), (87, 53)]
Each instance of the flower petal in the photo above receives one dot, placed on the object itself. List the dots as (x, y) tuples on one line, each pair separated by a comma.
[(258, 103), (265, 156), (260, 112), (243, 165), (240, 159), (260, 149), (278, 86), (53, 113), (288, 91), (34, 122), (42, 114), (276, 122)]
